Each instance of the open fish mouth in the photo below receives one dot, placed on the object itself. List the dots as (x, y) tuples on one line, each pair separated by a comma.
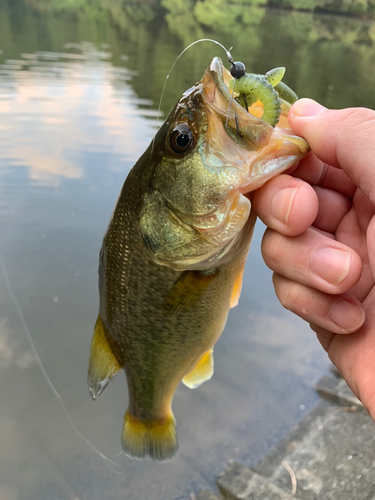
[(257, 149)]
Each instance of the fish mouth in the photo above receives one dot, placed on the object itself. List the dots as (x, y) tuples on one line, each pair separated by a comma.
[(248, 131), (256, 149)]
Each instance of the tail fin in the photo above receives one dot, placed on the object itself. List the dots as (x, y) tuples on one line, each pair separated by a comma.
[(155, 438)]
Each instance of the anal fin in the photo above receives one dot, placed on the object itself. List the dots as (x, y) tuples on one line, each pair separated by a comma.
[(103, 364), (201, 372), (236, 292)]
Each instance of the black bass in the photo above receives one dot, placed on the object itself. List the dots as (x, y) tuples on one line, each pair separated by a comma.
[(172, 259)]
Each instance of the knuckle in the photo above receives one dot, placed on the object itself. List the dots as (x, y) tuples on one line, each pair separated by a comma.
[(360, 117), (271, 248), (288, 293)]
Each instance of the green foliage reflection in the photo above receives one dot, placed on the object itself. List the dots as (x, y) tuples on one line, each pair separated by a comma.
[(330, 58)]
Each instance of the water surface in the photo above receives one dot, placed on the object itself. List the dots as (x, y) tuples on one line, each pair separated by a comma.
[(79, 96)]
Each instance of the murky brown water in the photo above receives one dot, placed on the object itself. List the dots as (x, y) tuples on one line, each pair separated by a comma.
[(79, 93)]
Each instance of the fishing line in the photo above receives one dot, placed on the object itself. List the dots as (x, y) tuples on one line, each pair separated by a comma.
[(230, 59), (227, 53), (117, 469), (230, 105)]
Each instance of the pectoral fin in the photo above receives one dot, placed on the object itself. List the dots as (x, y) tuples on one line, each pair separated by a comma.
[(236, 292), (188, 290), (202, 371), (103, 364)]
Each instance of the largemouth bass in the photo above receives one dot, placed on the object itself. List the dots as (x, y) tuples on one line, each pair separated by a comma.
[(172, 259)]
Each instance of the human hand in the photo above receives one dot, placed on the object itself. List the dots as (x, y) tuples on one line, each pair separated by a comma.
[(320, 240)]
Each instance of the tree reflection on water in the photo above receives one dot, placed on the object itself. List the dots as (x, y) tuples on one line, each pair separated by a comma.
[(322, 53)]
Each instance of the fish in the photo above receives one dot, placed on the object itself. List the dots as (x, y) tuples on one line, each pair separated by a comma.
[(173, 255)]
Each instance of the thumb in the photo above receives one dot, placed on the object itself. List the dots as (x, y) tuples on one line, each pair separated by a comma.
[(343, 138)]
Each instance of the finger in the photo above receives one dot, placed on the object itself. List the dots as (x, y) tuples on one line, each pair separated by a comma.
[(352, 233), (286, 204), (338, 314), (324, 336), (354, 357), (342, 138), (333, 206), (371, 244), (313, 260), (318, 173)]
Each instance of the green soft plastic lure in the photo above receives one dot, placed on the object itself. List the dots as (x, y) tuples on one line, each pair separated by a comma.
[(268, 89)]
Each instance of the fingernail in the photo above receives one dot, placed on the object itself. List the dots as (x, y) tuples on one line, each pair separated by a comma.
[(282, 202), (306, 107), (346, 315), (331, 264)]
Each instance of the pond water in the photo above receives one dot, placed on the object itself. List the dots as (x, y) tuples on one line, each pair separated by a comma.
[(80, 84)]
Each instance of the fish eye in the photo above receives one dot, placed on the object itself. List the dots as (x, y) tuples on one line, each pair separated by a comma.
[(181, 138)]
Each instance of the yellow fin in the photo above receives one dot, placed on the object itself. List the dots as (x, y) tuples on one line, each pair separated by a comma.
[(188, 290), (154, 438), (236, 292), (103, 364), (202, 371)]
